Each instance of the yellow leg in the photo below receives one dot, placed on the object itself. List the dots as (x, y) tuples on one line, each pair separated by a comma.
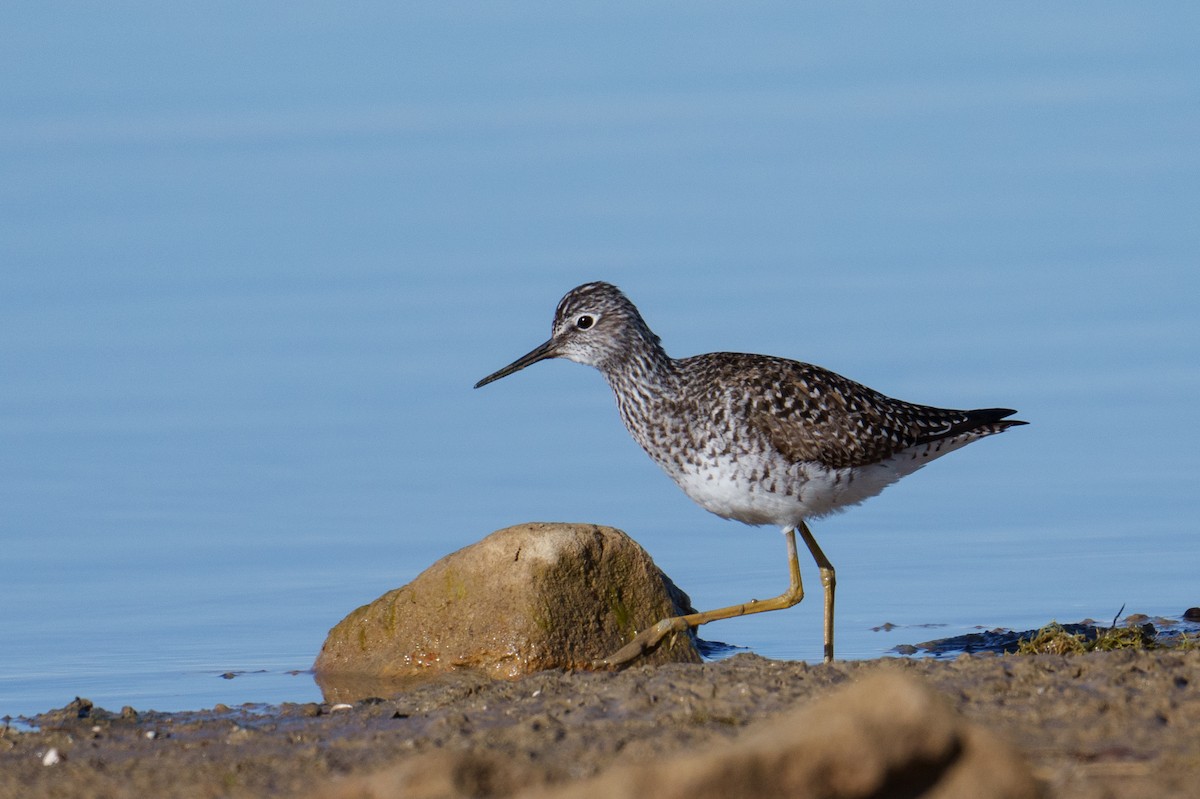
[(828, 579), (650, 638)]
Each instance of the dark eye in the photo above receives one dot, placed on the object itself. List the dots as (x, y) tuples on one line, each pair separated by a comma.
[(584, 322)]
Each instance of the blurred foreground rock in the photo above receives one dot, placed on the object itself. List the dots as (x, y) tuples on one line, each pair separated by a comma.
[(527, 598), (887, 736)]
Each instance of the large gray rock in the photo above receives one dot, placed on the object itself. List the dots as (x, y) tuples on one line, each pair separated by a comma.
[(531, 597)]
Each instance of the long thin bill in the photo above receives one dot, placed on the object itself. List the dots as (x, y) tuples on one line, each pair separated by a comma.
[(539, 354)]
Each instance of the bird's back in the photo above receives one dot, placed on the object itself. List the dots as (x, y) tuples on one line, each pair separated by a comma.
[(770, 440), (808, 413)]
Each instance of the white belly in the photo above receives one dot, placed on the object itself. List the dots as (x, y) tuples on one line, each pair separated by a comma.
[(758, 490)]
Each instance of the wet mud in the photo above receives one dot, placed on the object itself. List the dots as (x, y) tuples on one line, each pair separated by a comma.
[(1102, 724)]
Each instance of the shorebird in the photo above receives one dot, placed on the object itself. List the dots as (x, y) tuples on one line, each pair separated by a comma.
[(754, 438)]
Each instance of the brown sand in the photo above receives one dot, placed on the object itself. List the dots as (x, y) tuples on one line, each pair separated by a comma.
[(1105, 724)]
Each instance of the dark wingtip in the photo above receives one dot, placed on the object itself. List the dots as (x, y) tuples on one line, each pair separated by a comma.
[(1011, 422), (994, 418), (986, 415)]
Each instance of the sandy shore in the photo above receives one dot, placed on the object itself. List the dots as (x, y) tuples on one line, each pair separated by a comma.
[(1104, 724)]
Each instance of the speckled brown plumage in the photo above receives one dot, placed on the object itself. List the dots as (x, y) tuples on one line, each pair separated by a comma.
[(755, 438), (808, 413)]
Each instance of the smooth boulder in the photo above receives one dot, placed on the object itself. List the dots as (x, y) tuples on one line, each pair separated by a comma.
[(526, 598)]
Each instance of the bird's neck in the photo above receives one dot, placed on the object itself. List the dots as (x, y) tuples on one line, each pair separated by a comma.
[(645, 384), (644, 366)]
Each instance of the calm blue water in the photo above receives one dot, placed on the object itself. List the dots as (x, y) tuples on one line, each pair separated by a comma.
[(253, 259)]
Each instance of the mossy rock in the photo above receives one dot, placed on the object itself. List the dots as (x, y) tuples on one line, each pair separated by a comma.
[(526, 598)]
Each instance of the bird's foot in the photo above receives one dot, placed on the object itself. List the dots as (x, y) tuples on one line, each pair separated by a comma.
[(645, 641)]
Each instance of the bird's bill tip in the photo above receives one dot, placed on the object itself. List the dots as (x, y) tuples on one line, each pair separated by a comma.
[(540, 353)]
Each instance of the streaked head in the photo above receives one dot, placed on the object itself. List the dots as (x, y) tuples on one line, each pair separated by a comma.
[(594, 324)]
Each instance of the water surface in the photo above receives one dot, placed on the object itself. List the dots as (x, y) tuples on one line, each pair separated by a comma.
[(253, 259)]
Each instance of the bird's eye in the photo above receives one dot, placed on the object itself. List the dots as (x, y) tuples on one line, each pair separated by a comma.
[(584, 322)]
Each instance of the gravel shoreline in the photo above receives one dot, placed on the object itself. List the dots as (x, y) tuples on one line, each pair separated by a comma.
[(1104, 724)]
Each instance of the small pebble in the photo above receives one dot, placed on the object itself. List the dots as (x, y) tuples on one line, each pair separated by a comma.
[(151, 735), (52, 757)]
